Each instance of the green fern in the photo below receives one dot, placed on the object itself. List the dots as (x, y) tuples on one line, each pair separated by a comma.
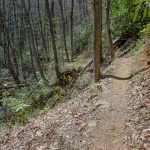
[(143, 5)]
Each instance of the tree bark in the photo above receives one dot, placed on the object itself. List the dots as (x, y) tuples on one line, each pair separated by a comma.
[(63, 29), (71, 27), (111, 46), (35, 51), (52, 32), (97, 38), (42, 33), (22, 39), (9, 50), (32, 58)]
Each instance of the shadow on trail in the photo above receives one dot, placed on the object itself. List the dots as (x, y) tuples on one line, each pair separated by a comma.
[(117, 78), (125, 78)]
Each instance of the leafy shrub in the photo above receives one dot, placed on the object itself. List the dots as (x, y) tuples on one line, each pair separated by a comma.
[(142, 6), (146, 30), (17, 109), (96, 87), (38, 97), (59, 93)]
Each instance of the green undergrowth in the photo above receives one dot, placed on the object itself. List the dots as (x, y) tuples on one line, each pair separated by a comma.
[(36, 98), (31, 100)]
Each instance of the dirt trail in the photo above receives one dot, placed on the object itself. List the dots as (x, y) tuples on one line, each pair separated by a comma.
[(109, 131), (76, 124)]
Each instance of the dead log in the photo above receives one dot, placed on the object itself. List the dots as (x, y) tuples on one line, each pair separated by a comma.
[(116, 41), (86, 66), (122, 39)]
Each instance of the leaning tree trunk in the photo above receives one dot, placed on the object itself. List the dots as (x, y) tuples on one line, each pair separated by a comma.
[(97, 38), (111, 46), (52, 32)]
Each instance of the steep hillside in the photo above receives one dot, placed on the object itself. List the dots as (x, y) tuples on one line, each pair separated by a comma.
[(113, 114)]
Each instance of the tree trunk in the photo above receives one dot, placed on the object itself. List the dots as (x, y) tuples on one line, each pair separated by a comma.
[(97, 38), (71, 27), (64, 29), (22, 39), (42, 33), (32, 59), (9, 50), (35, 51), (52, 32), (111, 46)]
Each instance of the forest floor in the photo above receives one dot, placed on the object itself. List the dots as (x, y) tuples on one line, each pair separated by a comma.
[(89, 121)]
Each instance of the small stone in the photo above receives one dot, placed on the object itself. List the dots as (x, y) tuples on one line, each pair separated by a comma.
[(92, 123)]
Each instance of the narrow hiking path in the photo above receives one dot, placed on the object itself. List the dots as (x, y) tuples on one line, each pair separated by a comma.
[(109, 131), (76, 124)]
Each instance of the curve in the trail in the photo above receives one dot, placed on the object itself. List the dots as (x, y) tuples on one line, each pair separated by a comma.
[(109, 131)]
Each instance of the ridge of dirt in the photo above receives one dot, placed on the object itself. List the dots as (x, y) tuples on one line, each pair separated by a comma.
[(94, 121)]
